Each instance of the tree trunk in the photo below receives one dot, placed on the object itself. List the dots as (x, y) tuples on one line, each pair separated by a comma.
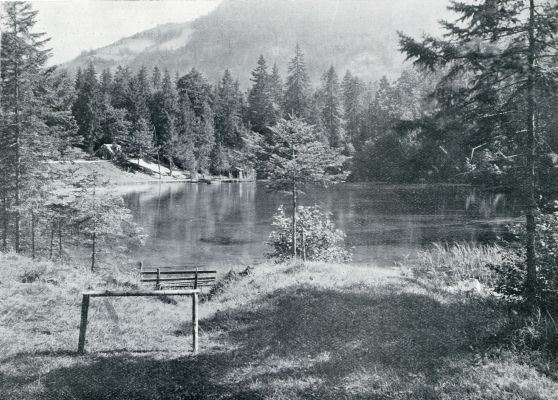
[(531, 286), (17, 165), (303, 244), (4, 223), (51, 240), (59, 239), (294, 220), (93, 242), (32, 234), (159, 164)]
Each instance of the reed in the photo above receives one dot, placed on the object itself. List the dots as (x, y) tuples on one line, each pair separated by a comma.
[(448, 264)]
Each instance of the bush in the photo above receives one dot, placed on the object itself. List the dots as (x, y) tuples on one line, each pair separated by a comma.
[(321, 241), (512, 272)]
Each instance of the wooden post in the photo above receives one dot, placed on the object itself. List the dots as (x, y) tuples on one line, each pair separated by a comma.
[(195, 323), (196, 279), (303, 245), (83, 323), (157, 285)]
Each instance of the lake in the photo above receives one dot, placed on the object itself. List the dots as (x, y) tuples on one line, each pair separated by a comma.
[(227, 224)]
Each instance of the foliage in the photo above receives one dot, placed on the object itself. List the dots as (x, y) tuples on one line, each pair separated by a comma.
[(319, 239), (102, 220), (498, 60), (299, 155), (297, 87), (512, 271)]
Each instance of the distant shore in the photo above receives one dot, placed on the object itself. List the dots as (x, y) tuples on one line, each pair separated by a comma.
[(117, 174)]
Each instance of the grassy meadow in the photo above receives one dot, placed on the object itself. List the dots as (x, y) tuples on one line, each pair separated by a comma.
[(289, 331)]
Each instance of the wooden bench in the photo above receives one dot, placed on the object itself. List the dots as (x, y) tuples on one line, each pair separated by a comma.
[(177, 277)]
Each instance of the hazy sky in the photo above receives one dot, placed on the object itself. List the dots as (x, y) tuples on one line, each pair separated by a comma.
[(77, 25)]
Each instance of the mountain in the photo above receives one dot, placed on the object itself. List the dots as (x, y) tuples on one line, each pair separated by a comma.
[(349, 34)]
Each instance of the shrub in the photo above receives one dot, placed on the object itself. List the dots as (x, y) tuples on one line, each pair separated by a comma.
[(316, 235), (512, 271)]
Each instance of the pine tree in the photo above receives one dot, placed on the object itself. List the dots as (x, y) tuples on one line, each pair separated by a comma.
[(141, 138), (505, 54), (21, 58), (164, 111), (140, 95), (331, 112), (185, 148), (58, 96), (260, 101), (106, 83), (121, 90), (194, 86), (87, 106), (353, 90), (297, 86), (204, 139), (227, 110), (298, 157), (156, 79), (276, 93)]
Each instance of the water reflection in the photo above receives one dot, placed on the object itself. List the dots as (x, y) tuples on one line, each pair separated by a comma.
[(224, 224)]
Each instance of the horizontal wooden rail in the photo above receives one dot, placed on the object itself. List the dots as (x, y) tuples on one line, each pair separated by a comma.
[(112, 293), (205, 279), (119, 293), (164, 272), (184, 266)]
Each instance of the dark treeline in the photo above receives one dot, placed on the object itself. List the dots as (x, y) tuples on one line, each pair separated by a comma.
[(187, 122)]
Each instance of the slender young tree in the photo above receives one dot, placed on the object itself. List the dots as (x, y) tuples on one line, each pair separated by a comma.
[(505, 51), (300, 157)]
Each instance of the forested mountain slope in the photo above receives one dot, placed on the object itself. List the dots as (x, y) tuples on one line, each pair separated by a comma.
[(356, 35)]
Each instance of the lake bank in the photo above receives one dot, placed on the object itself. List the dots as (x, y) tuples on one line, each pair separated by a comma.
[(129, 173), (325, 331)]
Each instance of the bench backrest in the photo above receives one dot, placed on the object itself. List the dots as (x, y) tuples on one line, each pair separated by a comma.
[(178, 276)]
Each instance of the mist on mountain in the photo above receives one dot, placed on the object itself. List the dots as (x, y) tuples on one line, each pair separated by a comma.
[(356, 35)]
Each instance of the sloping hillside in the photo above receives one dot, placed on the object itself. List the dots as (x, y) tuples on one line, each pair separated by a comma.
[(358, 35)]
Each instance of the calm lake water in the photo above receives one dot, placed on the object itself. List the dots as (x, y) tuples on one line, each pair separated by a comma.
[(227, 224)]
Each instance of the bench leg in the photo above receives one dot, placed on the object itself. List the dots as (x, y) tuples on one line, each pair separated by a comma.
[(83, 323), (195, 323)]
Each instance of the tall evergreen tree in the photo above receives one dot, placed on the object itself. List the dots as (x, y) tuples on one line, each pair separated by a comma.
[(505, 52), (227, 109), (260, 100), (164, 108), (276, 92), (194, 86), (121, 89), (297, 86), (86, 108), (353, 90), (331, 112), (22, 55)]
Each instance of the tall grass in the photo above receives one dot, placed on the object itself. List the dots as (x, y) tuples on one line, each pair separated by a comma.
[(448, 264)]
